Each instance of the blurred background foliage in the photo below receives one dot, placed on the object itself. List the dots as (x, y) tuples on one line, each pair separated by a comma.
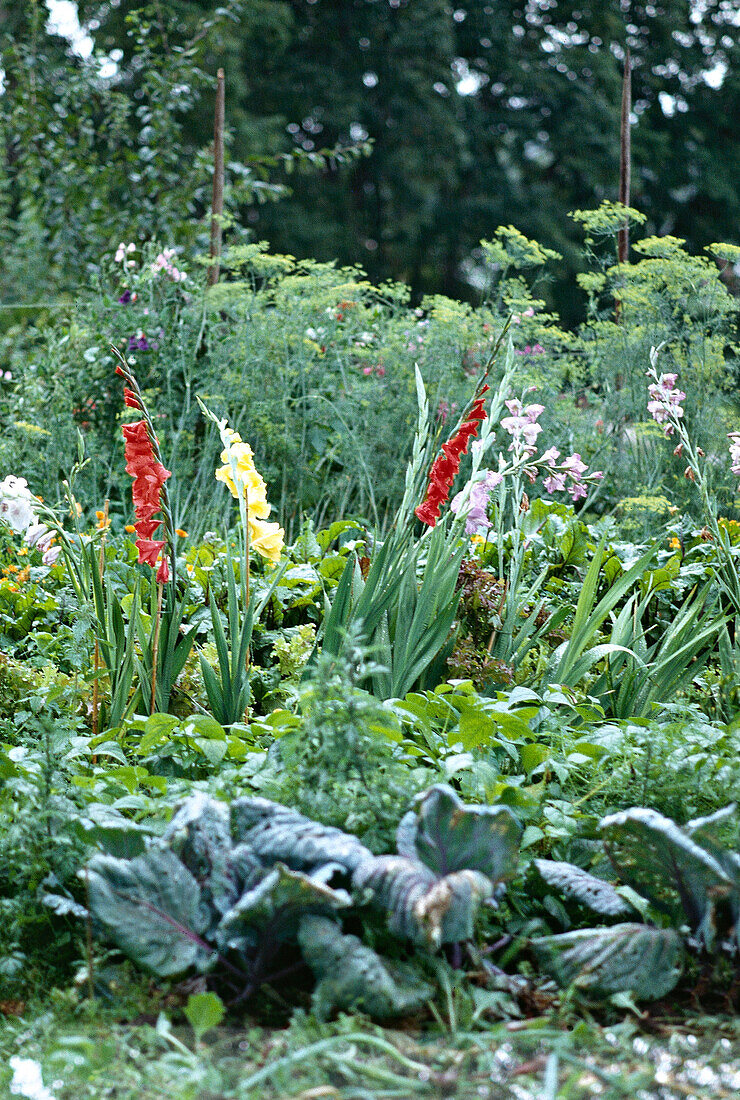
[(374, 146), (480, 113)]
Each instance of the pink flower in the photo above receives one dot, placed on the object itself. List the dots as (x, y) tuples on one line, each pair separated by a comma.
[(555, 483), (530, 431), (493, 478), (513, 424), (574, 465), (665, 404), (367, 370), (550, 456), (577, 491), (51, 554), (533, 412)]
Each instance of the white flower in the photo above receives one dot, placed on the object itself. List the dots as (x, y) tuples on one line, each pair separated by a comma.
[(27, 1079), (50, 554), (36, 533), (17, 504), (17, 513)]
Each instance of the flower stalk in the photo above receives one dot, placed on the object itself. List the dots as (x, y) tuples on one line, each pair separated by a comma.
[(150, 491), (666, 409)]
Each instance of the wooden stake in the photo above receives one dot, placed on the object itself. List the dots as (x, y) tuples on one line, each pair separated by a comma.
[(625, 158), (217, 202)]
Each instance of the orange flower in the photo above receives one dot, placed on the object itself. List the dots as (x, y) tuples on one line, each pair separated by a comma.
[(103, 523), (180, 533), (129, 528)]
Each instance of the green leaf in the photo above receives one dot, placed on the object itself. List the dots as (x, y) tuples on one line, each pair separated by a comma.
[(631, 958), (151, 908), (654, 856), (107, 829), (422, 907), (352, 977), (580, 886), (204, 1012), (446, 835), (278, 902)]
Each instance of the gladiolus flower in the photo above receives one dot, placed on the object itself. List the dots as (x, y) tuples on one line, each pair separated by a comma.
[(244, 481), (149, 550), (267, 539), (665, 404), (149, 476), (445, 467)]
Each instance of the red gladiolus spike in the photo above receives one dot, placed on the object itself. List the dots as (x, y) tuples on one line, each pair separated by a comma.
[(130, 398), (446, 466), (149, 551), (149, 476)]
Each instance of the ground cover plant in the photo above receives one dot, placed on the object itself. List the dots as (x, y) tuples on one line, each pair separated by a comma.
[(369, 709)]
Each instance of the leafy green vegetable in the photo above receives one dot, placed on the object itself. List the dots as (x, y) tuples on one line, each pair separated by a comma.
[(580, 886), (679, 877), (353, 976), (151, 908), (631, 958)]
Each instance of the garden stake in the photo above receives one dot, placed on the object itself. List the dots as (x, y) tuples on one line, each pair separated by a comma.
[(247, 578), (625, 155), (88, 934), (217, 202)]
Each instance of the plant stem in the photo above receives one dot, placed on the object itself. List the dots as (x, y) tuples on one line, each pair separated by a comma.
[(96, 651), (155, 646)]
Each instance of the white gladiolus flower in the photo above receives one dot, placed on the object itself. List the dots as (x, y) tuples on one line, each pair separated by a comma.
[(17, 503)]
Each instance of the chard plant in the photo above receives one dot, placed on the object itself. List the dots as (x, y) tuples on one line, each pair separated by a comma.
[(684, 882), (228, 889)]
